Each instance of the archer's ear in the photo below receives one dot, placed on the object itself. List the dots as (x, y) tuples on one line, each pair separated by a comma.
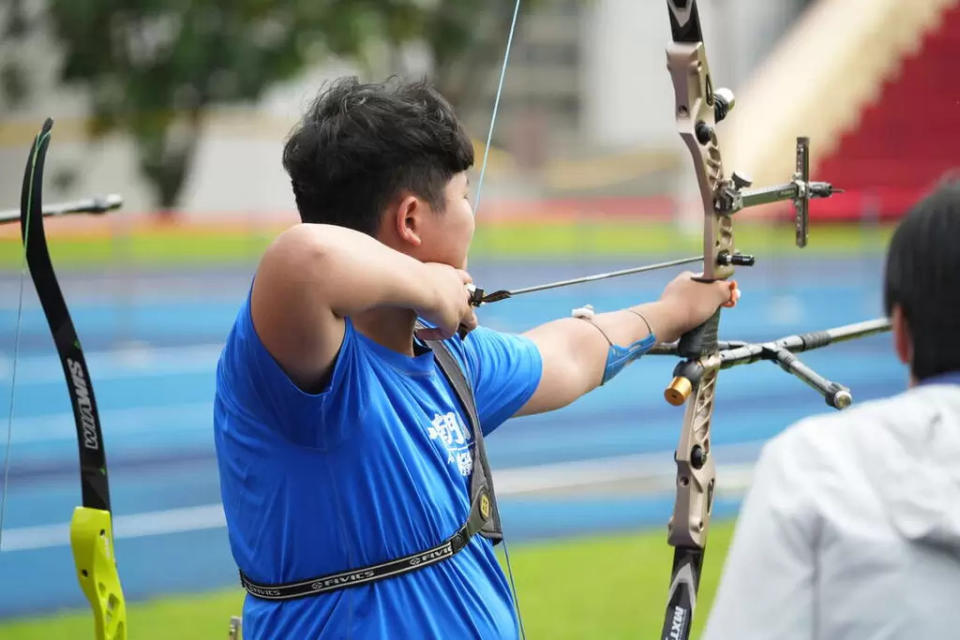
[(902, 342), (406, 218)]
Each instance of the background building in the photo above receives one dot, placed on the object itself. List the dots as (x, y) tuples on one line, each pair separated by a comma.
[(586, 111)]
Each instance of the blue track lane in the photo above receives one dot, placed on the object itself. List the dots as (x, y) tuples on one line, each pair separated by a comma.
[(152, 342)]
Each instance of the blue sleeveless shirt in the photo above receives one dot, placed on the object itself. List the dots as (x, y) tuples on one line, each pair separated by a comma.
[(375, 467)]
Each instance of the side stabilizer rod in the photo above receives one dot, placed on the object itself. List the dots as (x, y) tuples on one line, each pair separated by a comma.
[(781, 351), (97, 205)]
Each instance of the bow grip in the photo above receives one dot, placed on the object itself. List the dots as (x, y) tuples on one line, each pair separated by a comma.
[(693, 345), (91, 538), (700, 340)]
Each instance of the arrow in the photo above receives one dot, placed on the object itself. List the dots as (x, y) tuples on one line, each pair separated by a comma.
[(478, 296)]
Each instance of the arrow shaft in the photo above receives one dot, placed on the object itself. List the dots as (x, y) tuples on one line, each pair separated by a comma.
[(599, 276)]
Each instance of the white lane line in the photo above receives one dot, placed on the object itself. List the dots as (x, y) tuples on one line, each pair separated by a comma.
[(137, 525), (134, 361), (655, 471), (60, 426), (733, 479)]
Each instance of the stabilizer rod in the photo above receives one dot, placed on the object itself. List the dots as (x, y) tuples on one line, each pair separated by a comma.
[(97, 204), (781, 351)]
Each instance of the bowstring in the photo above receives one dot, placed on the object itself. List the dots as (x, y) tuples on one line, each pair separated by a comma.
[(476, 211), (496, 107), (16, 345)]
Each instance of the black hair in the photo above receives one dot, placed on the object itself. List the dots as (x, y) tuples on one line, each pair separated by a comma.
[(359, 145), (923, 278)]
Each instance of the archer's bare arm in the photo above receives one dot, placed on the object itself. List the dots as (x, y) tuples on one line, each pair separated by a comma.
[(574, 351), (314, 275)]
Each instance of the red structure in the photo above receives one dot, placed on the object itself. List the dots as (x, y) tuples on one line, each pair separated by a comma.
[(907, 140)]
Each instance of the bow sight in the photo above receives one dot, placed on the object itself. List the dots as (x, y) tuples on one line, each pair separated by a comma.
[(734, 194)]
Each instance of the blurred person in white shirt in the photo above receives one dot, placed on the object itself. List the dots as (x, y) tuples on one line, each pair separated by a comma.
[(851, 529)]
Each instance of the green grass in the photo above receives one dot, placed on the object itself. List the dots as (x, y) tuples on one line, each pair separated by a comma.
[(607, 588), (606, 239), (170, 246), (160, 247), (603, 587)]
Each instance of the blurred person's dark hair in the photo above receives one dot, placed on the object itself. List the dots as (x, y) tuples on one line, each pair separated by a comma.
[(923, 278), (360, 145)]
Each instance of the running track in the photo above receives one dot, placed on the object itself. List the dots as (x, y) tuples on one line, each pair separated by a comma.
[(602, 464)]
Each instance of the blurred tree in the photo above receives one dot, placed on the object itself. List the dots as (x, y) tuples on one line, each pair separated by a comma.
[(152, 68)]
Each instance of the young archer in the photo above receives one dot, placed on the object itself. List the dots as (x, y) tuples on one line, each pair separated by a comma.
[(342, 445)]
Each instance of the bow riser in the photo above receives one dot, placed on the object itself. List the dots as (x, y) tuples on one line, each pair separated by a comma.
[(696, 474), (696, 123), (91, 539), (697, 111)]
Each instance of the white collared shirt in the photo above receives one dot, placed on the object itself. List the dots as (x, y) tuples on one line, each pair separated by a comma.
[(851, 528)]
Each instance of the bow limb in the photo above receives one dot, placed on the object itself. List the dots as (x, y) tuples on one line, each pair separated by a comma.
[(91, 534)]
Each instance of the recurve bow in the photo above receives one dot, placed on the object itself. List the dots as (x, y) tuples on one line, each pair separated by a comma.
[(91, 533), (699, 107)]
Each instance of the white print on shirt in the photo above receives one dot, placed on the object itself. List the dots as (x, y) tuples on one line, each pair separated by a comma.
[(449, 430)]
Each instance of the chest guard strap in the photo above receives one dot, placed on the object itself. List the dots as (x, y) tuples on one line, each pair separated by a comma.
[(484, 518)]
